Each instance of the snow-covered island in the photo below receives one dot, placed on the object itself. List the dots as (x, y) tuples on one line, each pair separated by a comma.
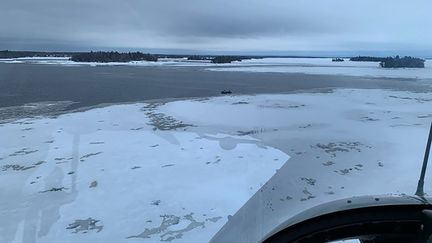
[(174, 171)]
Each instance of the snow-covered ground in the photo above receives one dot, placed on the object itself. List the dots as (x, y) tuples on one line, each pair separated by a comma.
[(175, 171), (275, 65)]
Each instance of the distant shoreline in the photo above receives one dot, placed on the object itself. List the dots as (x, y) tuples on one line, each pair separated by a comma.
[(18, 54)]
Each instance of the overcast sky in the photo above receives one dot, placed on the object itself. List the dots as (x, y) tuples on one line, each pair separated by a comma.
[(218, 25)]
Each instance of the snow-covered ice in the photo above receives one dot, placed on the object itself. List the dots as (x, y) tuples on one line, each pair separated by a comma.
[(342, 144), (124, 173), (326, 66), (175, 171)]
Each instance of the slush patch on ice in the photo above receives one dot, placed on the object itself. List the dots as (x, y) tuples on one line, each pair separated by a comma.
[(15, 167), (55, 189), (308, 195), (97, 142), (167, 221), (254, 131), (89, 155), (167, 234), (425, 116), (178, 234), (335, 147), (214, 219), (343, 171), (240, 103), (346, 171), (137, 129), (161, 121), (155, 202), (23, 151), (281, 106), (417, 99), (309, 181), (167, 165), (84, 226), (368, 119), (328, 163)]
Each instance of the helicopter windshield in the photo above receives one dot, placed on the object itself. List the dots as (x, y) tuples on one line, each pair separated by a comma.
[(198, 121)]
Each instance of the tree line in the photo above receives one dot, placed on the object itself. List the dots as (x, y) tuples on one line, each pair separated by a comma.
[(229, 59), (392, 62), (367, 59), (112, 56), (17, 54), (404, 62)]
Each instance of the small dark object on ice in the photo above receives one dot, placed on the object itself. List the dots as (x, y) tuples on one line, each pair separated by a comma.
[(226, 91)]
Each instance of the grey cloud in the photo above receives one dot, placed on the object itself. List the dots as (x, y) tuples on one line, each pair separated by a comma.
[(216, 24)]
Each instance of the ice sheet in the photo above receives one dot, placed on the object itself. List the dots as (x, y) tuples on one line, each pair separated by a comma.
[(175, 171)]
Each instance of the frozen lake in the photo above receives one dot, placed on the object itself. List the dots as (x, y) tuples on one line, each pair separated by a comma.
[(154, 153), (44, 86), (174, 171)]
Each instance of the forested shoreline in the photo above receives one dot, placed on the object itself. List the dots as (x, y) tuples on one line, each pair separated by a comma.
[(392, 62), (113, 56), (18, 54), (404, 62)]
